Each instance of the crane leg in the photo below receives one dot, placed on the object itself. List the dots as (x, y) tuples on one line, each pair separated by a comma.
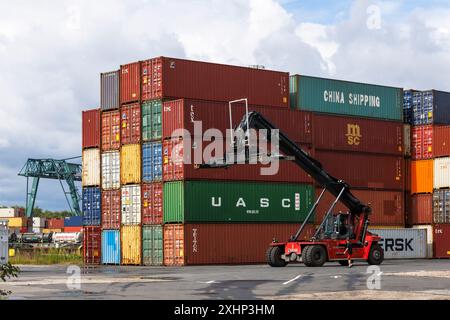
[(31, 196)]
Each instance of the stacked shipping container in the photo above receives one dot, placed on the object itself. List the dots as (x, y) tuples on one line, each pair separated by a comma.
[(155, 209), (429, 115)]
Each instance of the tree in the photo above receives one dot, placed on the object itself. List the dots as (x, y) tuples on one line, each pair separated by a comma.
[(7, 271)]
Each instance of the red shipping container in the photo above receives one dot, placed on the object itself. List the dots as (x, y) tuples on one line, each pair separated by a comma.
[(422, 142), (387, 206), (131, 124), (181, 114), (91, 128), (55, 223), (130, 83), (111, 209), (356, 134), (73, 229), (371, 171), (208, 243), (441, 240), (152, 203), (441, 141), (110, 130), (174, 169), (92, 244), (177, 78), (421, 209)]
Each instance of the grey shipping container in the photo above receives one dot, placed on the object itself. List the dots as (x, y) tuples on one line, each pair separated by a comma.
[(403, 243), (152, 245), (109, 90), (441, 206), (346, 98)]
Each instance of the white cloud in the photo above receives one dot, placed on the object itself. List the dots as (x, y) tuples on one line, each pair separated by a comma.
[(51, 55)]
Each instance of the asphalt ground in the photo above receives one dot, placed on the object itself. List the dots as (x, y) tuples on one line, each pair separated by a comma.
[(394, 279)]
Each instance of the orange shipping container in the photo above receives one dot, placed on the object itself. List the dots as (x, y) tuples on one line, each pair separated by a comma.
[(422, 176)]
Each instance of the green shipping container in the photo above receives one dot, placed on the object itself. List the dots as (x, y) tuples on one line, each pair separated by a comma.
[(151, 120), (346, 98), (212, 201), (152, 245)]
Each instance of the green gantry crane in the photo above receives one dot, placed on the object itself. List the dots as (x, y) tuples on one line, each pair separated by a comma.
[(52, 169)]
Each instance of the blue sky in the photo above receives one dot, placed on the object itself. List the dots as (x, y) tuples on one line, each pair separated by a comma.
[(51, 56)]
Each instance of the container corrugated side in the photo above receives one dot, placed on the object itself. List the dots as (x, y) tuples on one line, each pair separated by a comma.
[(152, 203), (109, 90), (152, 167), (110, 247), (91, 128), (130, 124), (151, 120), (186, 113), (91, 208), (403, 243), (212, 201), (131, 205), (179, 78), (441, 206), (333, 132), (207, 243), (407, 140), (92, 244), (130, 82), (130, 164), (373, 171), (441, 141), (431, 107), (441, 173), (421, 209), (422, 142), (110, 170), (387, 206), (131, 244), (344, 97), (152, 245), (430, 243), (422, 176), (175, 169), (111, 209), (441, 240), (91, 167), (110, 130)]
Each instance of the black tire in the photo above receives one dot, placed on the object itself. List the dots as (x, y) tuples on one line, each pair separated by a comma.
[(316, 256), (376, 254), (274, 257), (343, 263), (305, 256)]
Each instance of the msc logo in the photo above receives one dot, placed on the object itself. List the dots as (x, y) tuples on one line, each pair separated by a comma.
[(353, 134)]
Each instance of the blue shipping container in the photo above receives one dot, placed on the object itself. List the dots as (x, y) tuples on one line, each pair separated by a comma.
[(431, 107), (408, 106), (91, 206), (152, 161), (111, 247), (73, 221)]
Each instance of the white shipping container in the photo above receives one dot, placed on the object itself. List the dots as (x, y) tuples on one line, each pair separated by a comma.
[(131, 204), (4, 250), (10, 212), (91, 167), (111, 170), (38, 222), (429, 230), (403, 243), (37, 230), (441, 173), (67, 237)]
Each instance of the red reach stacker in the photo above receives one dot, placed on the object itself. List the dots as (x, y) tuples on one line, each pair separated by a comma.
[(330, 239)]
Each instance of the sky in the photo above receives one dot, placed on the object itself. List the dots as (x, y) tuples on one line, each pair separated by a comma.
[(51, 55)]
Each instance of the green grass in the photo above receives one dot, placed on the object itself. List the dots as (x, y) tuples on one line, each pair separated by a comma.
[(47, 256)]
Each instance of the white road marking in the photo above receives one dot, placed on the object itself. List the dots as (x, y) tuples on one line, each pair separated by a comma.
[(208, 282), (336, 277), (289, 281)]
